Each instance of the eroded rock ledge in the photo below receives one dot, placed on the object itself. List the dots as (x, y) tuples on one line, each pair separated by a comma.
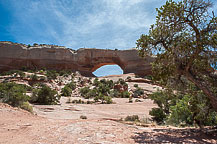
[(16, 56)]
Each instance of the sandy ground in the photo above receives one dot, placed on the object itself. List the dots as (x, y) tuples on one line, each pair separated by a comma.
[(120, 109), (61, 124)]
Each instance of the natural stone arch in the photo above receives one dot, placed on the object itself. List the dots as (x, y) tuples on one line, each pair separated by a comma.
[(16, 56), (103, 64)]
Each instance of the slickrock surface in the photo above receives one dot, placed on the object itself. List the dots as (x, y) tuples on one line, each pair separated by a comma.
[(20, 127)]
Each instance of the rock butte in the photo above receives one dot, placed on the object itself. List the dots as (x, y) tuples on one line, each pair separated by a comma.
[(85, 60)]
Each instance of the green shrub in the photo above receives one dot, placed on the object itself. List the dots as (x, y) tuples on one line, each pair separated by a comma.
[(65, 73), (125, 94), (183, 109), (41, 71), (104, 89), (16, 72), (13, 94), (84, 91), (121, 81), (71, 85), (91, 94), (66, 91), (158, 115), (138, 92), (96, 98), (132, 118), (164, 99), (181, 113), (96, 82), (106, 100), (192, 110), (27, 88), (26, 106), (115, 93), (103, 98), (211, 119), (51, 74), (34, 77), (45, 95), (128, 77), (136, 85), (103, 81), (22, 74), (149, 77), (78, 101), (101, 91), (34, 96)]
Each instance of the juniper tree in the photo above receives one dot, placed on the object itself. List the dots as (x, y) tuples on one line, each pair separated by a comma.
[(184, 42)]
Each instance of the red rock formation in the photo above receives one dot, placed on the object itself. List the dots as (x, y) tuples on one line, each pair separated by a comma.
[(16, 56)]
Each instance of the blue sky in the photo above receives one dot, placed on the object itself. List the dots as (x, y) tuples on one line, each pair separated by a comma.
[(78, 23)]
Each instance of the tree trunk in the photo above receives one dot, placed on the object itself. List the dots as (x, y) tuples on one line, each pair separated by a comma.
[(205, 89)]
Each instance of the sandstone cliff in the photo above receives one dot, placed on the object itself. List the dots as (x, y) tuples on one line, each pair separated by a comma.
[(16, 56)]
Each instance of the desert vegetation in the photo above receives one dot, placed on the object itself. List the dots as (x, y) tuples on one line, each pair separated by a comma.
[(15, 95), (103, 90), (68, 88), (34, 82), (183, 39), (183, 82), (39, 84)]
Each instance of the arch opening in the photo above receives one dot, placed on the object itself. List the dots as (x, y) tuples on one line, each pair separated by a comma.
[(109, 69)]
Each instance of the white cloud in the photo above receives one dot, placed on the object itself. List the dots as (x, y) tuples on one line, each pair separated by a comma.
[(99, 23), (117, 14)]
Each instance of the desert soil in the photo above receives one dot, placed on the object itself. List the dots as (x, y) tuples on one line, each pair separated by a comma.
[(61, 124)]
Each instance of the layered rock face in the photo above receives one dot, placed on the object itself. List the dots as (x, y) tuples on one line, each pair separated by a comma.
[(86, 61)]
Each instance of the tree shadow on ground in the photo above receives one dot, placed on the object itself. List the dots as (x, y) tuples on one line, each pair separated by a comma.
[(167, 135)]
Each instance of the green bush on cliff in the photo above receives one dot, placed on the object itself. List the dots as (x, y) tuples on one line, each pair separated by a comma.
[(51, 74)]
